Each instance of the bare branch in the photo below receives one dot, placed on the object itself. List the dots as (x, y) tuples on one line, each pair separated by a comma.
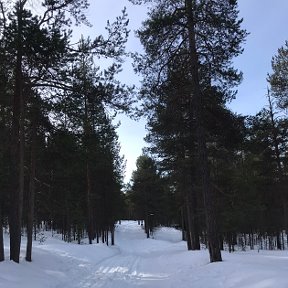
[(3, 15)]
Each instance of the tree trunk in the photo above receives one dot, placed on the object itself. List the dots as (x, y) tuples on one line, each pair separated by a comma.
[(89, 207), (146, 222), (146, 226), (230, 242), (278, 240), (188, 225), (87, 132), (17, 150), (193, 242), (113, 236), (68, 221), (97, 236), (31, 194), (190, 205), (275, 138), (2, 256), (212, 235), (184, 237), (195, 226)]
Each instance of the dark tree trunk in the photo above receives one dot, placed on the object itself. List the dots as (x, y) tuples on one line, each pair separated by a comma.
[(196, 101), (229, 240), (31, 194), (146, 222), (184, 238), (278, 240), (17, 150), (78, 234), (35, 231), (221, 242), (89, 207), (97, 236), (251, 240), (2, 256), (188, 225), (195, 226), (87, 132), (193, 242), (113, 236), (68, 221), (275, 138), (146, 225)]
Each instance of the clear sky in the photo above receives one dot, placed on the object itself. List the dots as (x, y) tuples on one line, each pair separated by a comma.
[(265, 20), (267, 23)]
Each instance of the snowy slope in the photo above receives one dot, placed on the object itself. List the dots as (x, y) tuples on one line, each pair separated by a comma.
[(139, 262)]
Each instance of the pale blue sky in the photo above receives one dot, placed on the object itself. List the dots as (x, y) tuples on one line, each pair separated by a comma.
[(265, 20), (267, 23)]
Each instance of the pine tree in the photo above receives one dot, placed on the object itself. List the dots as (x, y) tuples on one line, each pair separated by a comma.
[(172, 143), (147, 193), (201, 37), (278, 79), (5, 122), (21, 35), (40, 59), (39, 124)]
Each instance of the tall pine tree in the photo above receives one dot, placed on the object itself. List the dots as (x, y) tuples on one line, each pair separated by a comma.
[(202, 37)]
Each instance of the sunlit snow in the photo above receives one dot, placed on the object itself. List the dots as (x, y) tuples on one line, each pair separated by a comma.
[(139, 262)]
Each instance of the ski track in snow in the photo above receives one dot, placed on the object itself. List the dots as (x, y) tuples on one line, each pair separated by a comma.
[(128, 268), (139, 262)]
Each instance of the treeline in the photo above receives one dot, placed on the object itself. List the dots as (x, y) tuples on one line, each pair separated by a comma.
[(250, 194), (223, 174), (220, 176), (59, 150)]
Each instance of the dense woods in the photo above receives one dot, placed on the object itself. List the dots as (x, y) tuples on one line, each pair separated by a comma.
[(219, 176), (227, 172), (60, 161)]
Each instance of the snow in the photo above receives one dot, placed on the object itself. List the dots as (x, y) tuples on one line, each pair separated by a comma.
[(136, 261)]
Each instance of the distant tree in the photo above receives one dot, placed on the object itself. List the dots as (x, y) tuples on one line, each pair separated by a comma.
[(147, 193), (278, 79), (265, 203), (83, 109)]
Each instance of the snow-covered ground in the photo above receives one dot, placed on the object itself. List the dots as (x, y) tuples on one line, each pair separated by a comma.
[(136, 261)]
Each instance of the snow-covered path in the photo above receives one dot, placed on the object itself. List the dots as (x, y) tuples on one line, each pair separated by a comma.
[(135, 262), (139, 262)]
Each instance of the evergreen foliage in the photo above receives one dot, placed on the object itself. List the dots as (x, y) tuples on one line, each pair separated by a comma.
[(278, 79), (219, 176), (61, 164), (194, 41), (152, 199)]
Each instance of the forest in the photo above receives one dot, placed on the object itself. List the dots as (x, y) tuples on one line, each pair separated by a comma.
[(218, 176)]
